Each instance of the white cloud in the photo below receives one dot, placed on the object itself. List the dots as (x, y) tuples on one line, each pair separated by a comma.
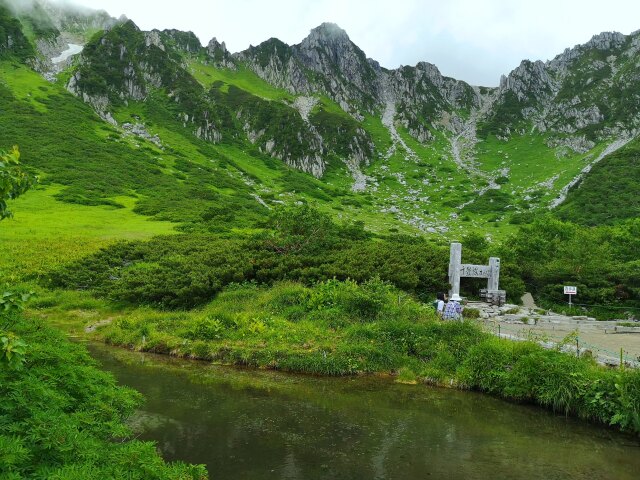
[(474, 40)]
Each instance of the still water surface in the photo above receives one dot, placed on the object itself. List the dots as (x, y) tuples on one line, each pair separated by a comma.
[(254, 424)]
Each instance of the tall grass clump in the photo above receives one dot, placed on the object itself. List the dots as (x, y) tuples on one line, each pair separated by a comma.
[(525, 372)]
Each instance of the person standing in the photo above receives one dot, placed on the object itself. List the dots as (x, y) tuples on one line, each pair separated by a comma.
[(441, 299), (453, 309)]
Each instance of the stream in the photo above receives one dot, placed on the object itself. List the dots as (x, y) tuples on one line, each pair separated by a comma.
[(258, 424)]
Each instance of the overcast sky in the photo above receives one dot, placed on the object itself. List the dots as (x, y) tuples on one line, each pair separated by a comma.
[(471, 40)]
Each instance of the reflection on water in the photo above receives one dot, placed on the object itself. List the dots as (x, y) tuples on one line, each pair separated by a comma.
[(248, 424)]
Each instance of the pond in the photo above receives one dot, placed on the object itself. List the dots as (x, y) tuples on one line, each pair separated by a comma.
[(256, 424)]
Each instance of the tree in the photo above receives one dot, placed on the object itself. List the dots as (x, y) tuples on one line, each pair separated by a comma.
[(14, 181), (299, 228)]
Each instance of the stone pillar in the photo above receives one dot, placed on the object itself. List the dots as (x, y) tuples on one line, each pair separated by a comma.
[(455, 263), (494, 274)]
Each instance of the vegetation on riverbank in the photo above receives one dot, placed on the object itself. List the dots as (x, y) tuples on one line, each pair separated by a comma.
[(342, 328), (63, 418), (60, 416)]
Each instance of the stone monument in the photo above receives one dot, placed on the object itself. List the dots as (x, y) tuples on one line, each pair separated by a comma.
[(492, 294)]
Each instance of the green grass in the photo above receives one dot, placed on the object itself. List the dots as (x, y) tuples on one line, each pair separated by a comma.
[(65, 418), (46, 232), (341, 328), (530, 162), (25, 84), (242, 78), (608, 195)]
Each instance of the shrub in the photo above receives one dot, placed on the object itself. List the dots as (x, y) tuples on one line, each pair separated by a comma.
[(63, 418), (206, 329), (471, 313)]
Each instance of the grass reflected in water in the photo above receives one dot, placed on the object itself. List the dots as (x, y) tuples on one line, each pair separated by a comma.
[(259, 424)]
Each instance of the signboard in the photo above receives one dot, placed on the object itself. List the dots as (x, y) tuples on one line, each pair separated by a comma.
[(570, 290), (475, 271)]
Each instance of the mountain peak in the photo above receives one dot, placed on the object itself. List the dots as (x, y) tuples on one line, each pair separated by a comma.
[(606, 40), (330, 28), (328, 31)]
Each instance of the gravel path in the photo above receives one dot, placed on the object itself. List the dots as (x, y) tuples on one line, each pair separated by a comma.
[(603, 339)]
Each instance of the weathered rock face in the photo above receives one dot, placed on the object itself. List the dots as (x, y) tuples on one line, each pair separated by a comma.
[(327, 62), (570, 95), (276, 62), (425, 99), (219, 55), (183, 41), (125, 55), (585, 94), (591, 89), (126, 64), (350, 79)]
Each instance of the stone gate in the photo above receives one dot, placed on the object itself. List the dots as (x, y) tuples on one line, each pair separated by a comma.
[(492, 294)]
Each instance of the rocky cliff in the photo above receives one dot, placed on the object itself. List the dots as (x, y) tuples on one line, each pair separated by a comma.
[(587, 93)]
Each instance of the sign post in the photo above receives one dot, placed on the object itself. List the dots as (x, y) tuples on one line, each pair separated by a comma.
[(568, 290)]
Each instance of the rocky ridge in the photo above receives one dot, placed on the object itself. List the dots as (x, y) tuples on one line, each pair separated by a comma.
[(585, 97)]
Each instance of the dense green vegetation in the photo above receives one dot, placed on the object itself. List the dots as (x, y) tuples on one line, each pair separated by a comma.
[(257, 274), (609, 194), (14, 181), (338, 328), (602, 262), (13, 42), (301, 244), (62, 417)]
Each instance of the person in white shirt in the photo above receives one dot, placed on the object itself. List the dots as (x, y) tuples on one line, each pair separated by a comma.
[(440, 303)]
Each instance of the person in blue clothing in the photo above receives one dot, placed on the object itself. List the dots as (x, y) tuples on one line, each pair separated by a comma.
[(453, 309)]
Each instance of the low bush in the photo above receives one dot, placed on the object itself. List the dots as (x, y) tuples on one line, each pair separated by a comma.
[(525, 372)]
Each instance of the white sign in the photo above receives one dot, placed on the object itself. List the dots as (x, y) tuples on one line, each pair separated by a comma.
[(475, 271), (570, 290)]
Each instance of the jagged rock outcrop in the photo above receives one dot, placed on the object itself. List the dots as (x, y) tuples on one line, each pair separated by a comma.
[(590, 89), (182, 41), (424, 98), (585, 95), (219, 55), (275, 62), (125, 64), (349, 77), (326, 62)]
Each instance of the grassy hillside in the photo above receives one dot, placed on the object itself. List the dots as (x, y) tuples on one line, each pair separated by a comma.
[(609, 193)]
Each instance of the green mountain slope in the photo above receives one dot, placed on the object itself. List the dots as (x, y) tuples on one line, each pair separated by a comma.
[(609, 193), (407, 149)]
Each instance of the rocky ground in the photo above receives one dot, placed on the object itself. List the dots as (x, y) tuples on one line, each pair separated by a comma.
[(601, 339)]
